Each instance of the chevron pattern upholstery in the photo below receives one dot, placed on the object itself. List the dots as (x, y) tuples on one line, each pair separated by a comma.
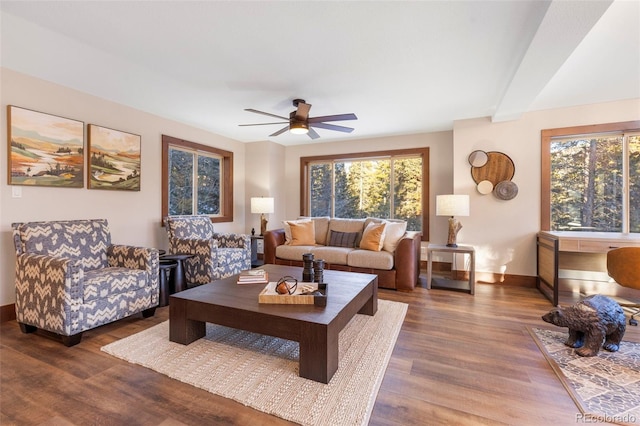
[(215, 255), (71, 278)]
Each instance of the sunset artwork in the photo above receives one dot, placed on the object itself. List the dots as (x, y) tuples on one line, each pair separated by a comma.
[(114, 159), (44, 149)]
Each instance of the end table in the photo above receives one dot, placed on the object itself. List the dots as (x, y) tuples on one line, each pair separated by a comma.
[(452, 284)]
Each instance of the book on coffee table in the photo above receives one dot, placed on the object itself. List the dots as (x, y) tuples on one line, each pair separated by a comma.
[(253, 276)]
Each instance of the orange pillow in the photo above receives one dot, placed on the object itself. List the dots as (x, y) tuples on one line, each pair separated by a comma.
[(303, 234), (373, 237)]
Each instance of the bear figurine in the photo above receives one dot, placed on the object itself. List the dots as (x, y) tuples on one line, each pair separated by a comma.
[(593, 322)]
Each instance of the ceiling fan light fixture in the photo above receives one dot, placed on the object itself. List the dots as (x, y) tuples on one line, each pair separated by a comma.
[(299, 128)]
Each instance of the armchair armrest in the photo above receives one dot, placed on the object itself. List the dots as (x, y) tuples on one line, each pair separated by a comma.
[(135, 258), (58, 284), (272, 239), (406, 259), (204, 251)]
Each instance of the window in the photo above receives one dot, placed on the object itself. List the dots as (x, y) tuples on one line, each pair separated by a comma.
[(386, 184), (591, 178), (196, 179)]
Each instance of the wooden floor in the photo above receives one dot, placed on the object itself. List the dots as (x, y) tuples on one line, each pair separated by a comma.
[(459, 359)]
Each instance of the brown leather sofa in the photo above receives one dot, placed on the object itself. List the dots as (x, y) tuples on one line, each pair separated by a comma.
[(398, 270)]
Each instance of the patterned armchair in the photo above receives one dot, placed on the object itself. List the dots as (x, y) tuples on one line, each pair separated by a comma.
[(215, 255), (70, 278)]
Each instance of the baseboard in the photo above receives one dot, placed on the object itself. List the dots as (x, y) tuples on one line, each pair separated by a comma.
[(8, 312)]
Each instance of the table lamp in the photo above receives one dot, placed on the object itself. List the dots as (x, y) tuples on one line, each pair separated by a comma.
[(262, 205), (452, 205)]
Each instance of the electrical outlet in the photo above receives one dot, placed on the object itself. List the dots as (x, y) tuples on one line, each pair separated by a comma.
[(260, 246)]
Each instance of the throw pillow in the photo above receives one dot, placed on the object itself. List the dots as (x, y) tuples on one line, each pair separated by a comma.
[(393, 232), (343, 239), (303, 234), (287, 228), (373, 237)]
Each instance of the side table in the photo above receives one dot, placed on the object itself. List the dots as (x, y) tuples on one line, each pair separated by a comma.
[(452, 284), (178, 277), (255, 262), (165, 271)]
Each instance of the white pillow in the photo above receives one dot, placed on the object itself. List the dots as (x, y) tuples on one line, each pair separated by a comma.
[(287, 229), (393, 232)]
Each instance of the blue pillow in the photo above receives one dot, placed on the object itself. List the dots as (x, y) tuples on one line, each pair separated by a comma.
[(343, 239)]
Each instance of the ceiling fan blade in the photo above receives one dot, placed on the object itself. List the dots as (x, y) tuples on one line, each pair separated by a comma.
[(279, 132), (302, 113), (337, 117), (313, 134), (332, 127), (264, 124), (265, 113)]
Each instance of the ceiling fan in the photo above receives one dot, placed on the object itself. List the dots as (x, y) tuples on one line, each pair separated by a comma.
[(300, 123)]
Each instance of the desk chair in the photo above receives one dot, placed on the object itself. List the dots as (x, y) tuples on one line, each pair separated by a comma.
[(623, 265)]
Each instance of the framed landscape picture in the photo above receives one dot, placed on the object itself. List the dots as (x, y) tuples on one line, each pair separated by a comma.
[(114, 159), (44, 149)]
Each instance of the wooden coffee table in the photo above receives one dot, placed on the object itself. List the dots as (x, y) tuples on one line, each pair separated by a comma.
[(316, 329)]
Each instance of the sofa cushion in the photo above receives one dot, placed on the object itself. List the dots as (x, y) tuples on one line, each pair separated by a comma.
[(373, 237), (343, 239), (322, 228), (370, 259), (303, 234), (346, 225), (108, 282), (333, 255), (289, 252), (287, 228), (393, 232)]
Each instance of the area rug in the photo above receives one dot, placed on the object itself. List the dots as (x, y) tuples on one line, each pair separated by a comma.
[(262, 372), (605, 387)]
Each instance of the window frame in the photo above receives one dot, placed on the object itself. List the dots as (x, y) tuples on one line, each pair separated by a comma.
[(421, 152), (546, 137), (226, 207)]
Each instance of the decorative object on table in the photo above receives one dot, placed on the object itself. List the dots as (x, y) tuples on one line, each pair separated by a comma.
[(318, 270), (506, 190), (288, 291), (253, 276), (214, 255), (71, 278), (262, 205), (452, 205), (287, 285), (493, 172), (114, 159), (253, 231), (44, 149), (307, 268), (592, 321), (623, 265), (602, 387)]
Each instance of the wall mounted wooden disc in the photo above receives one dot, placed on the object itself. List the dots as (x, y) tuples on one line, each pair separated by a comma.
[(499, 168)]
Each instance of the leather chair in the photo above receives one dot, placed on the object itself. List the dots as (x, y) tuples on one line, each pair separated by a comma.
[(215, 255), (623, 265), (70, 278)]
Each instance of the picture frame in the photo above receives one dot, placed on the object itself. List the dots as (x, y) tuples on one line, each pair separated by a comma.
[(44, 149), (114, 159)]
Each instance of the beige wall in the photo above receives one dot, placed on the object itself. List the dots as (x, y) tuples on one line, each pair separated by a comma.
[(503, 232), (134, 217)]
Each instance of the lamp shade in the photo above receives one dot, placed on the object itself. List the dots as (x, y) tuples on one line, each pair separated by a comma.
[(452, 205), (261, 205)]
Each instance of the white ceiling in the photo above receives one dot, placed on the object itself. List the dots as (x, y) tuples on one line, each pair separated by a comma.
[(401, 67)]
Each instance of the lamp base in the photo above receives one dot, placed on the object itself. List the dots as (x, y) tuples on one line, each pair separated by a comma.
[(263, 224), (454, 227)]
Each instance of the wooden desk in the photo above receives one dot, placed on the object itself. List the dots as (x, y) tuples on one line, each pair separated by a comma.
[(581, 249)]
